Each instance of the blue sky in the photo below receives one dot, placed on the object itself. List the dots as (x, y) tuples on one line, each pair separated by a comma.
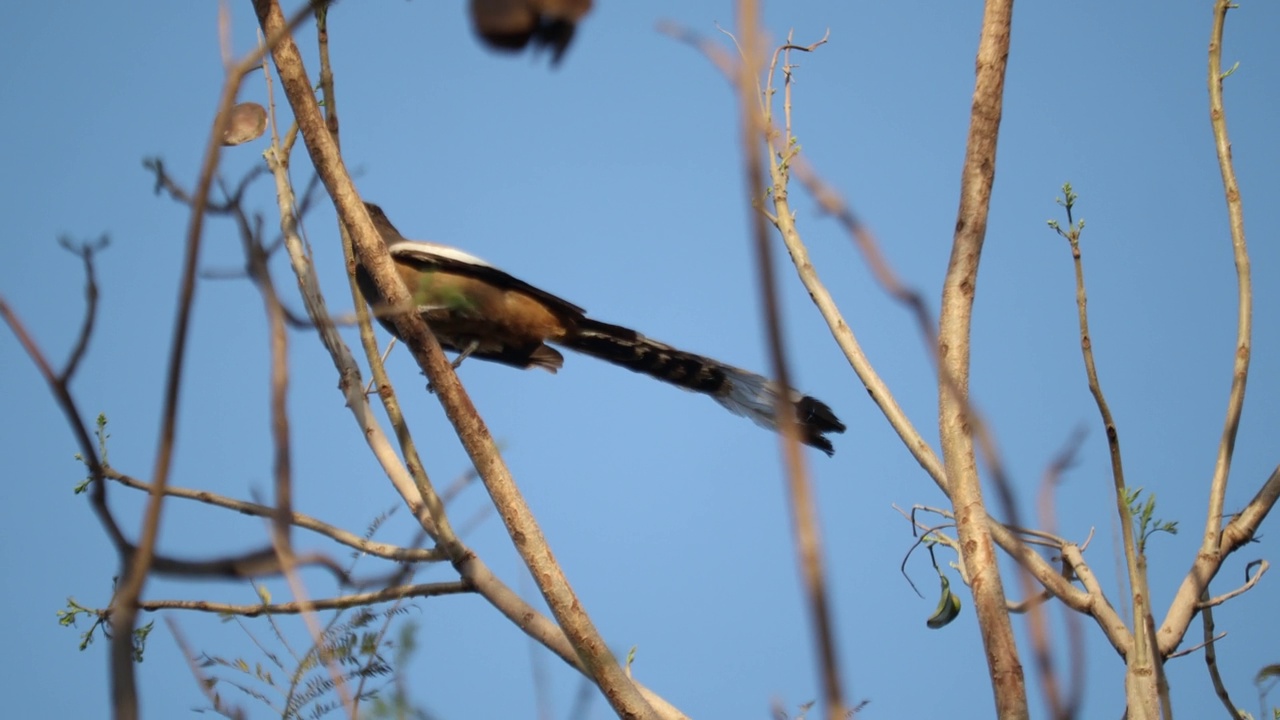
[(614, 181)]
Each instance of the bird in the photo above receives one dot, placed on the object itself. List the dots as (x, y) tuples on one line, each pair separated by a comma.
[(510, 25), (478, 311)]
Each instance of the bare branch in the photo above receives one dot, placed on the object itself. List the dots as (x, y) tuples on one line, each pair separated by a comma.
[(1206, 644), (296, 608), (622, 694), (470, 566), (1093, 602), (85, 252), (59, 387), (848, 343), (202, 681), (1023, 606), (1217, 544), (1250, 581), (136, 566), (378, 549), (1066, 704), (1143, 665), (756, 125), (955, 417), (1244, 292), (1211, 663), (1235, 535)]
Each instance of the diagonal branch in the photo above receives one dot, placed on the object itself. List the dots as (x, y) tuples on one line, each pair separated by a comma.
[(470, 567), (621, 693), (1251, 579), (1235, 535)]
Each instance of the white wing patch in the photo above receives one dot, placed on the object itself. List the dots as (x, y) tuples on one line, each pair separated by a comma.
[(429, 251)]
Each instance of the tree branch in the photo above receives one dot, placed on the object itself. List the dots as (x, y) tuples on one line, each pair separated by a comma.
[(523, 529), (954, 416), (350, 539), (1244, 283), (755, 118), (136, 566), (398, 592)]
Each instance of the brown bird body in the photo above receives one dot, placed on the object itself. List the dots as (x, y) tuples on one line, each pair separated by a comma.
[(480, 311)]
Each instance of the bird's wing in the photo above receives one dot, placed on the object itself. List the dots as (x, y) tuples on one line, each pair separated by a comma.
[(429, 256)]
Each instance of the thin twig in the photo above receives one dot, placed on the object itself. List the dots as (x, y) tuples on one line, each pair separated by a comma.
[(1144, 663), (197, 672), (295, 608), (1197, 646), (331, 117), (1250, 581), (1211, 663), (1027, 605), (1037, 623), (306, 522), (929, 534), (85, 251), (280, 526)]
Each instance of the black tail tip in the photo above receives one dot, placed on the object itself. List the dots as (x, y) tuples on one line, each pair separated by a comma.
[(816, 420), (555, 34)]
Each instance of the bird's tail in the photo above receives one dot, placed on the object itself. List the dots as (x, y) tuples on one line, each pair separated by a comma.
[(741, 392)]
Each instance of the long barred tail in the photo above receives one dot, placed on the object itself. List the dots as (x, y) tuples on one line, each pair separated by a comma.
[(739, 391)]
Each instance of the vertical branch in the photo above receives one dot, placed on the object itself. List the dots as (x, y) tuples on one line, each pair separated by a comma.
[(1244, 294), (282, 514), (326, 73), (804, 518), (1215, 545), (1037, 617), (1218, 542), (278, 352), (1142, 664), (138, 564), (955, 425), (283, 470)]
